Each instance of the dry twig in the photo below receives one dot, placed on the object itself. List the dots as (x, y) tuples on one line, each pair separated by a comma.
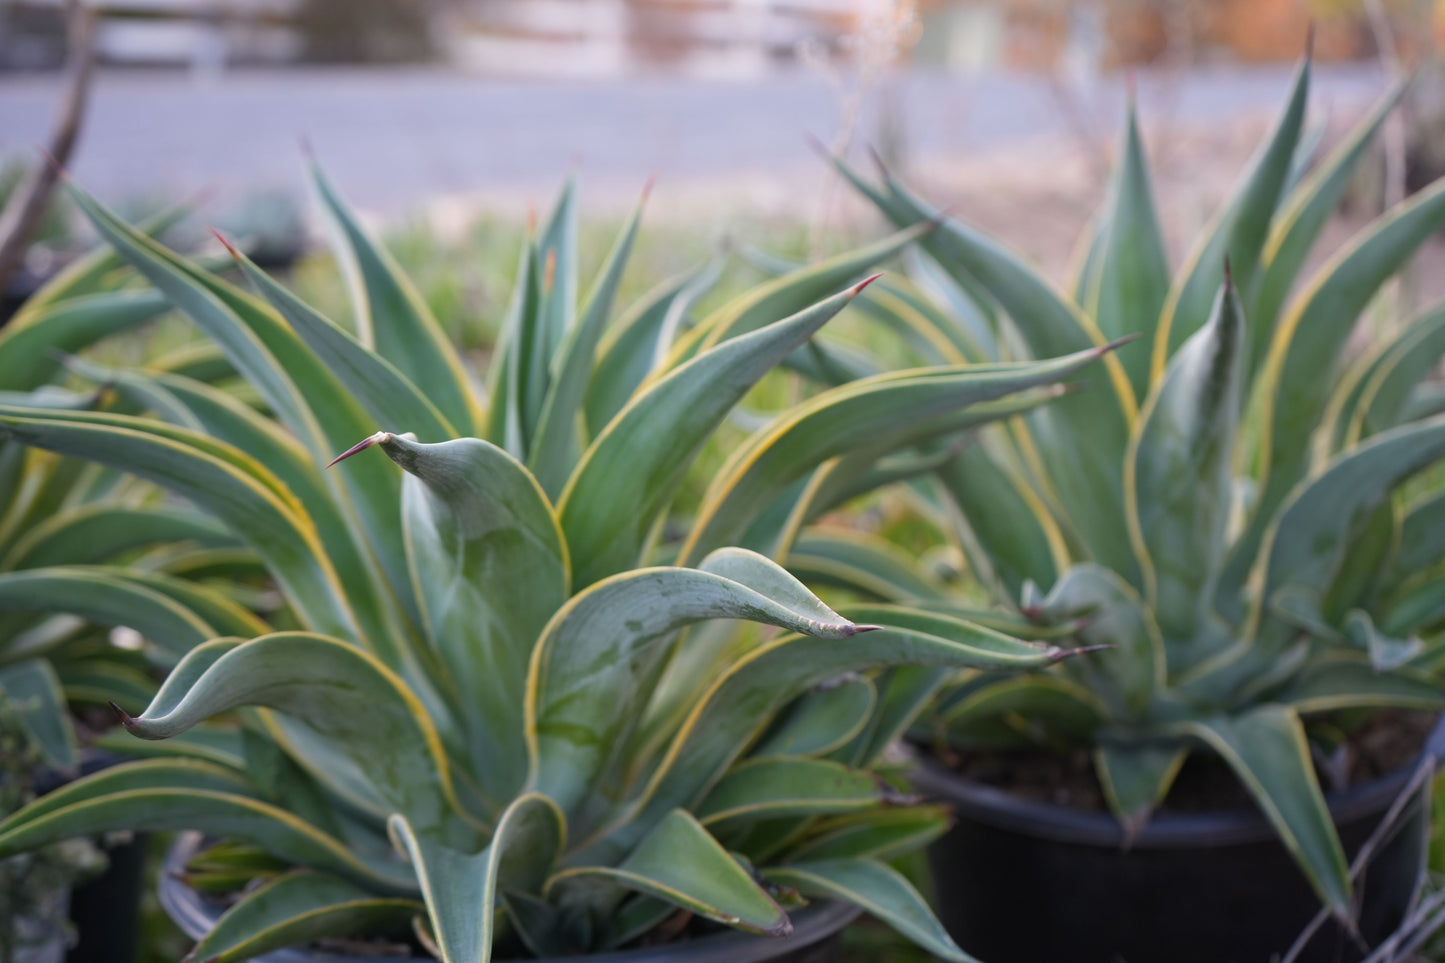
[(26, 208)]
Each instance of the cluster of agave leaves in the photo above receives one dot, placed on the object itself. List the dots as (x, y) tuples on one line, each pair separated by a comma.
[(473, 710), (1223, 510)]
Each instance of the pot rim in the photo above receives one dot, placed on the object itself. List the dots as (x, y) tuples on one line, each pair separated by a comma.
[(195, 915), (1165, 830)]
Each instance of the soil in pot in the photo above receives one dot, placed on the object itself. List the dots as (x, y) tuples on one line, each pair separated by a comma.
[(1035, 870)]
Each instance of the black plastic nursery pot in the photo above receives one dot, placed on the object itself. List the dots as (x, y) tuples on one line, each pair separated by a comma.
[(1020, 881), (816, 936)]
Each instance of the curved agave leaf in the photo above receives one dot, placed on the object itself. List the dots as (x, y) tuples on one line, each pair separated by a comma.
[(1298, 225), (632, 469), (891, 406), (490, 568), (31, 690), (192, 469), (346, 697), (97, 531), (1239, 232), (880, 890), (105, 598), (297, 909), (822, 720), (1295, 381), (1132, 278), (386, 394), (1350, 683), (1314, 531), (601, 653), (1401, 368), (639, 342), (557, 249), (392, 318), (224, 616), (1267, 749), (170, 794), (1177, 480), (555, 449), (462, 889), (772, 788), (679, 862), (29, 349), (519, 363)]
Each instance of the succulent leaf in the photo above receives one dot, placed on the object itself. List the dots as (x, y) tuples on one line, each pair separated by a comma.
[(1132, 277), (490, 568), (298, 909), (1177, 480), (461, 889), (391, 317), (681, 863), (1267, 749), (878, 888), (601, 653), (1239, 231)]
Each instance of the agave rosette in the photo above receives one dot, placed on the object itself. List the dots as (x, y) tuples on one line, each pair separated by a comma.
[(1224, 510), (473, 669)]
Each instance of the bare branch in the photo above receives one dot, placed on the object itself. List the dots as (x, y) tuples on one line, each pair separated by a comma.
[(23, 214)]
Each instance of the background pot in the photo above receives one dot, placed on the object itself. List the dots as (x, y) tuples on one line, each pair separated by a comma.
[(1019, 881), (815, 937)]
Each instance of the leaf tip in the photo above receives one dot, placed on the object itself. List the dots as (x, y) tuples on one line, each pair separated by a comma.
[(879, 163), (1310, 41), (857, 289), (866, 628), (1062, 654), (1228, 275), (360, 446), (784, 927), (1116, 344), (230, 248), (647, 188), (126, 719), (816, 145)]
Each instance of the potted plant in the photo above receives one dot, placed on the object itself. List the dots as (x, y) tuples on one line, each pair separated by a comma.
[(479, 700), (1228, 512)]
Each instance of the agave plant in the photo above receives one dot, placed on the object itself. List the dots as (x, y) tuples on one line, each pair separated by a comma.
[(473, 665), (1224, 510)]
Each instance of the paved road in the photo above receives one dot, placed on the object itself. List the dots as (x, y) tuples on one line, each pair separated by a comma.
[(395, 137)]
